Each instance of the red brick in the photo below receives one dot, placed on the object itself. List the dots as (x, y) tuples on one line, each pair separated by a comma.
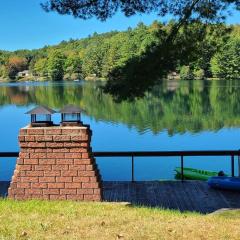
[(29, 138), (90, 167), (61, 138), (19, 161), (54, 145), (39, 196), (62, 150), (68, 191), (78, 150), (68, 173), (43, 167), (90, 185), (23, 144), (73, 185), (22, 197), (64, 179), (56, 185), (21, 138), (24, 167), (35, 131), (43, 150), (36, 144), (33, 191), (77, 167), (85, 144), (53, 131), (75, 197), (38, 155), (18, 191), (19, 174), (60, 167), (81, 179), (70, 131), (47, 161), (77, 138), (23, 185), (31, 161), (64, 161), (83, 161), (23, 131), (72, 144), (39, 185), (92, 197), (51, 191), (93, 179), (55, 155), (44, 138), (27, 150), (86, 173), (28, 179), (24, 155), (52, 173), (58, 197), (34, 173), (85, 191), (97, 191), (85, 155), (47, 179), (72, 155)]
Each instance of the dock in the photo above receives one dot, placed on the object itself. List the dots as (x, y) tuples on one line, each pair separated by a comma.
[(194, 196)]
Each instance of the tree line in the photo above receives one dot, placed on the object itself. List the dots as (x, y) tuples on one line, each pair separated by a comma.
[(199, 51)]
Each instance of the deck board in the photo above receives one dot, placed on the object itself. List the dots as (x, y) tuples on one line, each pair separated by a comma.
[(184, 196)]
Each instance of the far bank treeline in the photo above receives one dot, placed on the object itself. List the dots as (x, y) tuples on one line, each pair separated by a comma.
[(202, 51)]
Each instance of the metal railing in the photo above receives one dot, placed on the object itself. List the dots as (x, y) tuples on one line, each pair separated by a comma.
[(181, 154)]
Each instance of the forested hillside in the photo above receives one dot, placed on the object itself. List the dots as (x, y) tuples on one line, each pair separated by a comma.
[(200, 51)]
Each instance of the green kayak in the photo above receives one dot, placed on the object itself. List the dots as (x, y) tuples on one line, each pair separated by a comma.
[(195, 174)]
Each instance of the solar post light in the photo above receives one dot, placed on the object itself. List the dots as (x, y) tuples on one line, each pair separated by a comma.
[(71, 116), (41, 116)]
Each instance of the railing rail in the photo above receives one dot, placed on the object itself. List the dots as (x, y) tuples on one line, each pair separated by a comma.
[(181, 154)]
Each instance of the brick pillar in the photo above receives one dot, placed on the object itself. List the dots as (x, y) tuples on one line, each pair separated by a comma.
[(56, 163)]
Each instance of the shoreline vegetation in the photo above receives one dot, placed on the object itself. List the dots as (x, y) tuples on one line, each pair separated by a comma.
[(86, 220), (212, 52)]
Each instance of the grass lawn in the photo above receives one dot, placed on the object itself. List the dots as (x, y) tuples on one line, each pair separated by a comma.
[(81, 220)]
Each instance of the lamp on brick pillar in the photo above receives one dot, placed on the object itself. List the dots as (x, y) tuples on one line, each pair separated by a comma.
[(71, 116), (41, 116)]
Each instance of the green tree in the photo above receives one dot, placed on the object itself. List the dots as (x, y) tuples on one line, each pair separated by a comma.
[(73, 66), (55, 65), (186, 73), (40, 67), (226, 64)]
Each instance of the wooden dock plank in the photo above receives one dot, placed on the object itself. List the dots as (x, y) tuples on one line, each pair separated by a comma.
[(183, 196)]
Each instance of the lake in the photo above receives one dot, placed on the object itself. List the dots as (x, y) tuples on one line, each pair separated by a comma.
[(175, 115)]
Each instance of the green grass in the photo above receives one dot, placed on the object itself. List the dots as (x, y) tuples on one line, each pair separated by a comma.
[(82, 220)]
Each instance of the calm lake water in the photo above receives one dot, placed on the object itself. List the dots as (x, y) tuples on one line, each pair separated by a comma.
[(182, 115)]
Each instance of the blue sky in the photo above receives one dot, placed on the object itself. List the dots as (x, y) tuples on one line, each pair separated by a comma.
[(24, 25)]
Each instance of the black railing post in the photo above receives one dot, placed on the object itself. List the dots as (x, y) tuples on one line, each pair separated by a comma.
[(232, 165), (133, 178), (182, 173)]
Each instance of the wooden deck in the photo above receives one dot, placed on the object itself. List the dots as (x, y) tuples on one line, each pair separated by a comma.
[(184, 196)]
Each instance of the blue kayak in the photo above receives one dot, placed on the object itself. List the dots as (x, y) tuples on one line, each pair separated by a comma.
[(229, 183)]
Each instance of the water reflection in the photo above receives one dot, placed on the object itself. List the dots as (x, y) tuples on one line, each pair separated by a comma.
[(176, 115), (175, 106)]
